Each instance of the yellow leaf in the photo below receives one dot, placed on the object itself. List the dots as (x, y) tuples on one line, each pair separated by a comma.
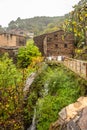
[(74, 23), (85, 15), (81, 18), (7, 105)]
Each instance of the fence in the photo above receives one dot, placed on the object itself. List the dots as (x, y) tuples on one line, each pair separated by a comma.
[(78, 66)]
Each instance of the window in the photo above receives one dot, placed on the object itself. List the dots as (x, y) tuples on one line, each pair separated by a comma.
[(21, 33), (11, 36), (56, 45), (21, 42), (55, 36), (49, 39), (65, 45)]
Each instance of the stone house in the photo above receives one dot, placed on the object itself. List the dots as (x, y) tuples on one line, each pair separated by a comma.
[(21, 32), (56, 43), (10, 43), (8, 40)]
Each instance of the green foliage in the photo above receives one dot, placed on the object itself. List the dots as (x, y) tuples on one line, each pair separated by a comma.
[(77, 23), (8, 72), (54, 88), (26, 54), (10, 95), (61, 87), (37, 25), (33, 95), (29, 107), (51, 27), (14, 112), (47, 111)]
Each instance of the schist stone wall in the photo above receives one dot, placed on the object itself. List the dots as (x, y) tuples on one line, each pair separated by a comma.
[(7, 39), (10, 43), (39, 42), (12, 51), (56, 43)]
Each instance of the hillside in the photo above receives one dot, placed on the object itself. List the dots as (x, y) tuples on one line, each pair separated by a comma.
[(37, 25)]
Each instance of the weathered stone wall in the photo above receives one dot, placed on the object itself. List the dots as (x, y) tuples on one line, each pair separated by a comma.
[(59, 43), (20, 41), (10, 43), (12, 51), (12, 40), (56, 43), (39, 42)]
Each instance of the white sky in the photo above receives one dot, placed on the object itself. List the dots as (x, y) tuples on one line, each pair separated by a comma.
[(12, 9)]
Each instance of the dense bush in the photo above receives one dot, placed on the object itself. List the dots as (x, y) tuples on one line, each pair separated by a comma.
[(11, 95), (61, 87), (27, 53), (12, 79), (54, 88)]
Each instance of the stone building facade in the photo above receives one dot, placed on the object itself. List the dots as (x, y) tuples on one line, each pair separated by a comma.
[(7, 39), (9, 43), (39, 41), (56, 43)]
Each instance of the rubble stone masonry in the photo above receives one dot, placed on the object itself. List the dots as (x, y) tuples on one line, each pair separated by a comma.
[(7, 39), (56, 43), (10, 43), (39, 42)]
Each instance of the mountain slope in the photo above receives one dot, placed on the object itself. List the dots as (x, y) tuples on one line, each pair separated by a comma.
[(37, 25)]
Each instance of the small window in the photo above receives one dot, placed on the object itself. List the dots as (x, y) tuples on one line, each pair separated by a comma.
[(7, 37), (65, 45), (55, 36), (56, 45), (21, 33), (11, 36), (49, 39), (21, 42)]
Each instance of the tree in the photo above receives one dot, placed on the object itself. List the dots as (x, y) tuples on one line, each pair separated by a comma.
[(26, 54), (77, 23), (11, 95)]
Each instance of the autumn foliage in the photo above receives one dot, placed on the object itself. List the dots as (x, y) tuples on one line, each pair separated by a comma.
[(10, 93)]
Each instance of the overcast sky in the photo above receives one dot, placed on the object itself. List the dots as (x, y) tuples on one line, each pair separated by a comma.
[(12, 9)]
